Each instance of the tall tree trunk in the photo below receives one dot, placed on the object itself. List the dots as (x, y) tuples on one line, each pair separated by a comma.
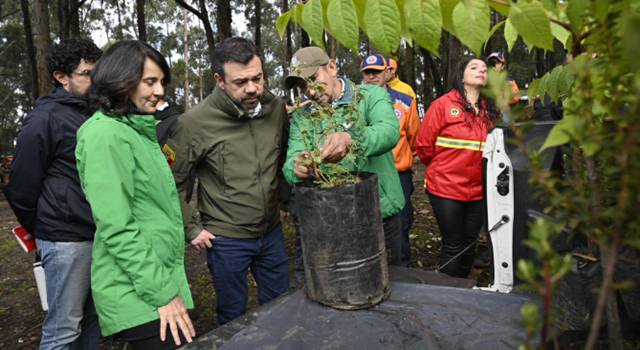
[(187, 97), (288, 50), (142, 24), (454, 52), (69, 18), (304, 38), (203, 15), (31, 53), (257, 37), (332, 46), (41, 43), (223, 17), (407, 71)]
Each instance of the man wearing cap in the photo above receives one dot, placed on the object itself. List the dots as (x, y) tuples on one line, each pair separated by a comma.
[(497, 61), (395, 83), (233, 142), (374, 68), (378, 136)]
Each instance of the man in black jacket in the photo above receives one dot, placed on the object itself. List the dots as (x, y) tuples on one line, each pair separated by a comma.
[(45, 194)]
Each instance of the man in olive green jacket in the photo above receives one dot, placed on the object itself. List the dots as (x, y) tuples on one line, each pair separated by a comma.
[(377, 140), (233, 142)]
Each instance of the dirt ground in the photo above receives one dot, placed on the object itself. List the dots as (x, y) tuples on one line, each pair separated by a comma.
[(21, 316)]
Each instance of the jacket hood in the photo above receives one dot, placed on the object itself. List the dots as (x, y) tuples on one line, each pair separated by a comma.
[(62, 96), (222, 101)]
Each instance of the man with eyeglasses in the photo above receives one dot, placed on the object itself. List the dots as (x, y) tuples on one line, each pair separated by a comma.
[(45, 194)]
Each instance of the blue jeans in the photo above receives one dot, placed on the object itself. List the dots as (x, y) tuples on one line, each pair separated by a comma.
[(71, 322), (406, 217), (229, 260)]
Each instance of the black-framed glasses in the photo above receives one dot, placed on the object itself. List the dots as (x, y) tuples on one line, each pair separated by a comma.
[(84, 73)]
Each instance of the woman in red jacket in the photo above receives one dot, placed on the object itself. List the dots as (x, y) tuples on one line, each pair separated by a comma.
[(450, 145)]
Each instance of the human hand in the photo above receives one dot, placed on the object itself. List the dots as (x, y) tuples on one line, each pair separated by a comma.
[(301, 166), (203, 240), (336, 147), (175, 315)]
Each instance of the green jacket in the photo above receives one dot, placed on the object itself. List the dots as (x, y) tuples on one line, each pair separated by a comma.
[(377, 140), (236, 160), (138, 251)]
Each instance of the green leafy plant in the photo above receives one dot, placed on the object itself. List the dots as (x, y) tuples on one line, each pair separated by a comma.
[(322, 123), (598, 192)]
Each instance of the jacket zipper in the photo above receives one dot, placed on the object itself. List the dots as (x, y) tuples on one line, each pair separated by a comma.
[(264, 201)]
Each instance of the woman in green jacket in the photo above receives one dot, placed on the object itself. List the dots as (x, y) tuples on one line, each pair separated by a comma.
[(138, 279)]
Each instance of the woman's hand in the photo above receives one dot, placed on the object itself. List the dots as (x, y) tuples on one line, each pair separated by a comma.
[(175, 316)]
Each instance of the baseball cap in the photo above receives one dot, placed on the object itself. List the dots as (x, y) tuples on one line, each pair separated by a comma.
[(375, 61), (304, 64), (496, 56)]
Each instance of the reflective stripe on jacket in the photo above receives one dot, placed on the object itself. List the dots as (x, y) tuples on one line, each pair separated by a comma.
[(451, 149)]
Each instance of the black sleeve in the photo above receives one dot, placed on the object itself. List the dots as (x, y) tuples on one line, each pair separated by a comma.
[(33, 153)]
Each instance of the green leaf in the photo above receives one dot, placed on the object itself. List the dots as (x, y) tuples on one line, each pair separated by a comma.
[(282, 22), (404, 29), (590, 148), (630, 47), (533, 91), (447, 7), (342, 23), (502, 7), (471, 20), (297, 13), (382, 20), (424, 21), (565, 81), (602, 10), (561, 33), (529, 312), (312, 21), (532, 23), (495, 29), (510, 34), (360, 6), (551, 85), (557, 137), (576, 12)]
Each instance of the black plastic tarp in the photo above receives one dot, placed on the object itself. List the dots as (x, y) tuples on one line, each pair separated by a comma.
[(415, 316)]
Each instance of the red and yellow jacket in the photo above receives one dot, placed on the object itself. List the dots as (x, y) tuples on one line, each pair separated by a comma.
[(451, 149), (406, 110)]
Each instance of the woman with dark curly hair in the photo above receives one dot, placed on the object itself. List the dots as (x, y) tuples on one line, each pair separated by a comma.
[(138, 278), (450, 145)]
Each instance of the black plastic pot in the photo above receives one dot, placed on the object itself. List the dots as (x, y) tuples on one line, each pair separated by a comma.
[(343, 244)]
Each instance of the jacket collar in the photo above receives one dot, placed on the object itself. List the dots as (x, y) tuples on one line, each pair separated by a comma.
[(62, 96), (347, 93), (220, 100), (143, 124)]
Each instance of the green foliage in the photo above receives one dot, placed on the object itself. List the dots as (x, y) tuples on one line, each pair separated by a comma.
[(312, 21), (424, 22), (471, 23), (343, 22), (322, 124), (532, 23), (382, 20)]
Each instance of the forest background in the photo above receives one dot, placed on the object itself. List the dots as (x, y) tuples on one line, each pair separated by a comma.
[(186, 32)]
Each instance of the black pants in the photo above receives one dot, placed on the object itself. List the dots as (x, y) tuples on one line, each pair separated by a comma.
[(459, 223), (392, 239), (147, 337)]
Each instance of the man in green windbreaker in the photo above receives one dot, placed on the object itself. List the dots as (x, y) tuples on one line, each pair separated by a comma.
[(233, 142), (377, 140)]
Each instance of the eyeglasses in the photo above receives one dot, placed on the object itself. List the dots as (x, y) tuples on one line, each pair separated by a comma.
[(84, 73)]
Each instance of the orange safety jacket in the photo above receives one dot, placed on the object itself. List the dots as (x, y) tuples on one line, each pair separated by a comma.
[(406, 110), (451, 149)]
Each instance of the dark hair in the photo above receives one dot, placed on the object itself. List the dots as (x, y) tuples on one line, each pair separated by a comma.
[(233, 49), (118, 72), (66, 56), (483, 103)]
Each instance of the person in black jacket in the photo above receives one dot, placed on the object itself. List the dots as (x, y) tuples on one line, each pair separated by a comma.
[(45, 194)]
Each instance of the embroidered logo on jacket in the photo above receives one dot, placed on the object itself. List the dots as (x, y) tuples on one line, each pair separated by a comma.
[(454, 112)]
